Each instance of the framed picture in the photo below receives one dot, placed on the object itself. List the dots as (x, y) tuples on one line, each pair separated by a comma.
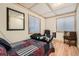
[(15, 20)]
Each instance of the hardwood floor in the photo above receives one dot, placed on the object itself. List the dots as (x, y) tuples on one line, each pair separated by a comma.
[(62, 49)]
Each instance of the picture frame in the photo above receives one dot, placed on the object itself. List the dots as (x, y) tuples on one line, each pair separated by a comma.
[(15, 20)]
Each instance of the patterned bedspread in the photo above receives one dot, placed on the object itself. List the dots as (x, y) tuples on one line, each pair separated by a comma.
[(28, 47), (27, 50)]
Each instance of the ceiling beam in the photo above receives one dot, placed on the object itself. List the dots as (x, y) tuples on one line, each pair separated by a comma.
[(63, 13), (33, 5), (60, 14), (31, 10), (51, 8), (56, 9)]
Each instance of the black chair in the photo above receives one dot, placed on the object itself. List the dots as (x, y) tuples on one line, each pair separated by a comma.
[(54, 34), (47, 35), (49, 46)]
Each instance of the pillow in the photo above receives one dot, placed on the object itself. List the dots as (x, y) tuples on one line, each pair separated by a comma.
[(39, 37), (2, 51), (5, 44), (35, 36)]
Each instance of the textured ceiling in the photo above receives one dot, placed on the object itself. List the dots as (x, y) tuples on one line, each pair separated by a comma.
[(50, 9)]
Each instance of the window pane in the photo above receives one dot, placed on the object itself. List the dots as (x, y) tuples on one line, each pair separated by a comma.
[(34, 24), (69, 23), (66, 24), (60, 24)]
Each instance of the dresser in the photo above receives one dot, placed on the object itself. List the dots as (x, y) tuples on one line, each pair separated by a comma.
[(70, 38)]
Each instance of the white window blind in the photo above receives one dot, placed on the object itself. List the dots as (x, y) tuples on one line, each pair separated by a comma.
[(60, 24), (66, 24), (34, 24)]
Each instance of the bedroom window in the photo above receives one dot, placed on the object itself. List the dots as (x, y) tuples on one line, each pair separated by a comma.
[(34, 24), (66, 24)]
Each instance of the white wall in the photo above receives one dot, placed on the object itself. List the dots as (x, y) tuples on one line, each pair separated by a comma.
[(51, 25), (15, 36), (77, 25)]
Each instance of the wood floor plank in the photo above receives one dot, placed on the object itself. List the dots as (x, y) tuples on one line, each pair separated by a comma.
[(62, 49)]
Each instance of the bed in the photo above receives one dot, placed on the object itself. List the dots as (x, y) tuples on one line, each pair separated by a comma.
[(30, 47)]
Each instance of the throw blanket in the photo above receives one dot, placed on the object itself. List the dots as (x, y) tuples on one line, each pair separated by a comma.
[(28, 47), (27, 50)]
